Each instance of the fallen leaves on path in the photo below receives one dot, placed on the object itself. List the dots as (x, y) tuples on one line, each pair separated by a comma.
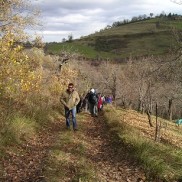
[(23, 163), (110, 160), (26, 162)]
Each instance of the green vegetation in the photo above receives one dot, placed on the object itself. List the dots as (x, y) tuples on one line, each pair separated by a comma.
[(147, 37), (76, 47), (18, 128), (159, 160)]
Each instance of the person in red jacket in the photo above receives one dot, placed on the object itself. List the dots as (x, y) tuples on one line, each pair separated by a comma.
[(100, 102)]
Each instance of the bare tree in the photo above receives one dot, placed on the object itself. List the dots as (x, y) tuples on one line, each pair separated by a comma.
[(151, 15)]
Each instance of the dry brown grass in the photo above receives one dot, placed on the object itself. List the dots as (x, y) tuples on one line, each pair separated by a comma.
[(170, 132)]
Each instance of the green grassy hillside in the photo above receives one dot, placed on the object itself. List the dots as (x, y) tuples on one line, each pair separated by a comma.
[(147, 37)]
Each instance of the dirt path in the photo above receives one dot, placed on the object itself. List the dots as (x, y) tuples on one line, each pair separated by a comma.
[(109, 160), (26, 162), (62, 153)]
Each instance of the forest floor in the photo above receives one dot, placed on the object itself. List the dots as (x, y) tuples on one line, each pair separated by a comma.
[(61, 155)]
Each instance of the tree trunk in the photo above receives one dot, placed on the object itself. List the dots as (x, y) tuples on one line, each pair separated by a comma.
[(114, 87), (157, 129), (123, 102), (140, 105), (170, 112), (149, 118)]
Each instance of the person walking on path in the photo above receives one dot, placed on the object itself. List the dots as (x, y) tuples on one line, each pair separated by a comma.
[(100, 102), (70, 98), (93, 102)]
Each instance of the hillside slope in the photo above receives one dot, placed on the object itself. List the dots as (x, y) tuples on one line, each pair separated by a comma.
[(147, 37)]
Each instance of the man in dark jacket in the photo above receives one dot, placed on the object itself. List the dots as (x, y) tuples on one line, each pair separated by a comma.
[(93, 102)]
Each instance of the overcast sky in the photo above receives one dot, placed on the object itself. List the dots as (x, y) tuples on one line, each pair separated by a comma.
[(61, 18)]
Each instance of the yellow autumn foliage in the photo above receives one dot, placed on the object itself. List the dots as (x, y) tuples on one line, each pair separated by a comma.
[(18, 75)]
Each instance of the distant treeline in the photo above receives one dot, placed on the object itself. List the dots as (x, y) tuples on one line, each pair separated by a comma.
[(170, 16)]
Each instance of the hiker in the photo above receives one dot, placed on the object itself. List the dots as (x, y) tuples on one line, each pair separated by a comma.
[(93, 102), (70, 99), (179, 121), (103, 100), (108, 99), (85, 104), (100, 102), (79, 105)]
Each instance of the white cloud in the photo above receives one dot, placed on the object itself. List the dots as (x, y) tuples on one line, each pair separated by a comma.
[(83, 17), (53, 32), (70, 18)]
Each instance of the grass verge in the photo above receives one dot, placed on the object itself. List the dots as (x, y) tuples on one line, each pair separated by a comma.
[(160, 161)]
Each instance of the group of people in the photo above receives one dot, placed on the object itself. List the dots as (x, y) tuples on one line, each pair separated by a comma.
[(73, 103), (94, 102)]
